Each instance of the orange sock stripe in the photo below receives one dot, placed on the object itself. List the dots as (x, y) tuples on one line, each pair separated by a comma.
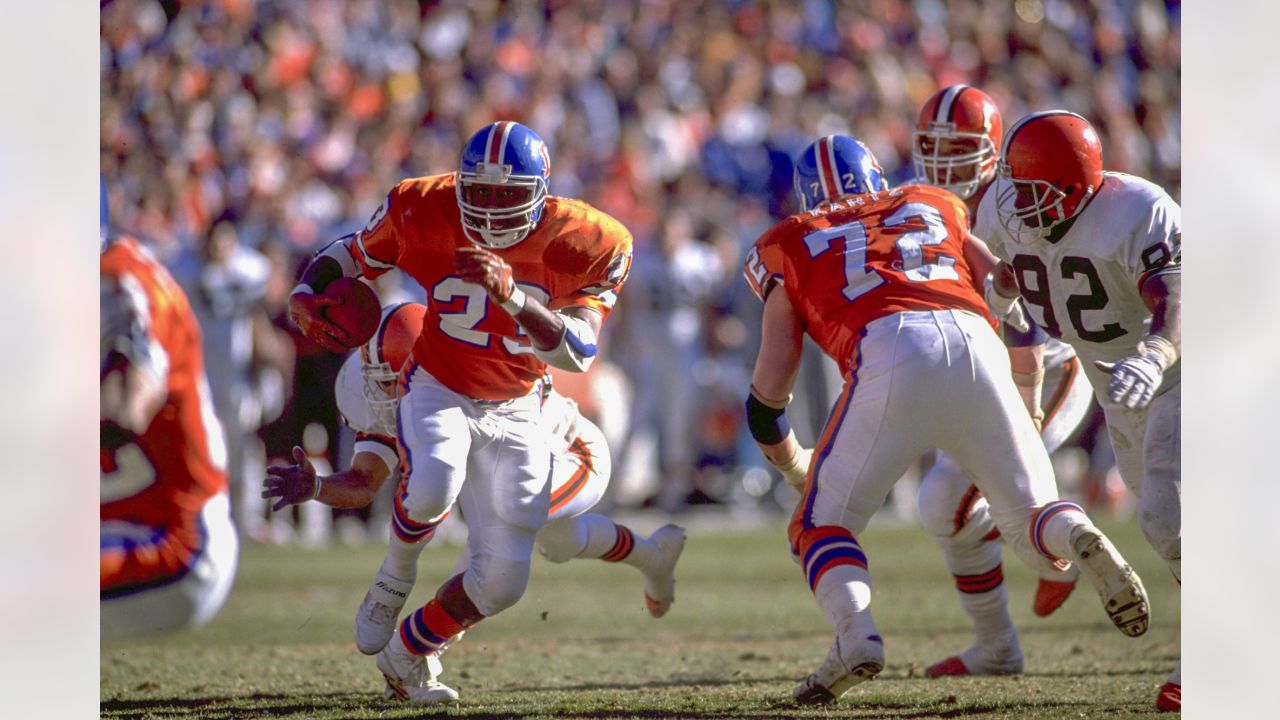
[(621, 547), (965, 507), (440, 621)]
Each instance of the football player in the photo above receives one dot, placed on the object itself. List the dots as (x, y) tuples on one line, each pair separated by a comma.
[(955, 146), (366, 395), (168, 548), (1098, 259), (516, 280), (884, 282)]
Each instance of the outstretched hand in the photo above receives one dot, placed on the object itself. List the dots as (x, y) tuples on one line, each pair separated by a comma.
[(1134, 380), (293, 484)]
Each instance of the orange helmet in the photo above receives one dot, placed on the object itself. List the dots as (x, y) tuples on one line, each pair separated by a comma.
[(382, 358), (957, 140), (1052, 162)]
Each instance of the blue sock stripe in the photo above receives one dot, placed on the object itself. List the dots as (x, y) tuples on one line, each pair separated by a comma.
[(832, 558), (824, 542), (1042, 519)]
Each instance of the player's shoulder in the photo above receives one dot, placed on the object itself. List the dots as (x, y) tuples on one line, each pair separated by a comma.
[(425, 190), (1130, 190), (584, 240), (579, 220)]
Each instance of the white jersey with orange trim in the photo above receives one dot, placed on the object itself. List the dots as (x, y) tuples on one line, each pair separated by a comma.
[(580, 455), (1085, 288)]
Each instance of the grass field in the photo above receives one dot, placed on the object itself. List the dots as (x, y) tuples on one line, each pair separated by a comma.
[(743, 631)]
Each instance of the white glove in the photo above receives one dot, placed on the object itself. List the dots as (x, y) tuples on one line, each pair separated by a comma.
[(1134, 380), (1006, 309)]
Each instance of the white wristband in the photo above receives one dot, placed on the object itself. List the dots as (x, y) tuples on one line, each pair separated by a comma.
[(316, 493), (1161, 347), (303, 288), (515, 302)]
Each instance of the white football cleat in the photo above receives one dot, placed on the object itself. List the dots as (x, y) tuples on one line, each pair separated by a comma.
[(659, 572), (376, 618), (1120, 588), (848, 663), (413, 677), (1005, 659)]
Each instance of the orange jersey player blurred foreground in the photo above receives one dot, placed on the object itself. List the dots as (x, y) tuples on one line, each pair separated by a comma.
[(168, 549), (516, 280), (886, 282)]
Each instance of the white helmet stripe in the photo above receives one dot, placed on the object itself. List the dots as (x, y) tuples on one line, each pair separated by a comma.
[(830, 172), (947, 103)]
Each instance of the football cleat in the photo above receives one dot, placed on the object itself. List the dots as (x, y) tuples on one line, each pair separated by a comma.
[(1005, 660), (1050, 594), (848, 663), (1120, 588), (659, 575), (1170, 698), (376, 617), (413, 677)]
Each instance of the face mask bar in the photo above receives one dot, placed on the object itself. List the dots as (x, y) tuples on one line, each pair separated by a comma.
[(491, 227), (381, 401), (939, 170)]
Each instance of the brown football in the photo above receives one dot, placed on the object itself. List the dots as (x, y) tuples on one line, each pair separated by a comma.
[(358, 311)]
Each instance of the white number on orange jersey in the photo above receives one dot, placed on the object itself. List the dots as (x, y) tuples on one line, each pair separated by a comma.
[(859, 278), (460, 324), (133, 473)]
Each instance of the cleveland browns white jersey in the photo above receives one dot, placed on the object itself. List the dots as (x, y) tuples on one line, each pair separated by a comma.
[(1085, 288)]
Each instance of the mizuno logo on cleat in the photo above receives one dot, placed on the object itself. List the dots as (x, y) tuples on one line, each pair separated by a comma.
[(390, 589)]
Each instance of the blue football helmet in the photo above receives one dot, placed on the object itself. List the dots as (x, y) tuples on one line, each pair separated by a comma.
[(502, 184), (834, 166)]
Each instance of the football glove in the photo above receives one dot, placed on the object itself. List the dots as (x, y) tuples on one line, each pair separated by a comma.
[(1006, 309), (293, 484), (1134, 380)]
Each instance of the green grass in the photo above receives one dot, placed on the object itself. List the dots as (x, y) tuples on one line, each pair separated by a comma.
[(743, 631)]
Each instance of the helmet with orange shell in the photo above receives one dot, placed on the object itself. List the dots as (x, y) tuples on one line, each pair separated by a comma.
[(502, 184), (957, 140), (835, 166), (384, 355), (1052, 165)]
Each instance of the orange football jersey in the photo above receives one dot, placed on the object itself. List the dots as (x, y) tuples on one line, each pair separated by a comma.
[(577, 256), (850, 261), (154, 485)]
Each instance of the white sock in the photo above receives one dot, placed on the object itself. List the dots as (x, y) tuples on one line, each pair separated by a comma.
[(1056, 531), (844, 594), (401, 561), (601, 534)]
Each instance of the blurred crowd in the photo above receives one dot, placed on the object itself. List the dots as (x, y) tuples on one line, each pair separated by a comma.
[(240, 136)]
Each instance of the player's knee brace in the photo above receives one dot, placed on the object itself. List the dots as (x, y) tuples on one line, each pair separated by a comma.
[(559, 540), (495, 583)]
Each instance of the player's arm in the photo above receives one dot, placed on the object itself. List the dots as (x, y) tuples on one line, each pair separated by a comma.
[(564, 338), (781, 348), (134, 367), (350, 488)]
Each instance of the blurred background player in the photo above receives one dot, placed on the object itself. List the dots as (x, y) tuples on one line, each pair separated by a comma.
[(1098, 258), (168, 548), (955, 146), (516, 280), (366, 394), (897, 305)]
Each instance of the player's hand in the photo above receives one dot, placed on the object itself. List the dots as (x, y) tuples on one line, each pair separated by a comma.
[(1006, 309), (293, 484), (486, 269), (306, 311), (1133, 380)]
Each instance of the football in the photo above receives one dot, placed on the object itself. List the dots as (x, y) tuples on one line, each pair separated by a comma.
[(357, 312)]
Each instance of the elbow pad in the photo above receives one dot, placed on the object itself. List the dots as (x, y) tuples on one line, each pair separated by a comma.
[(577, 347)]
